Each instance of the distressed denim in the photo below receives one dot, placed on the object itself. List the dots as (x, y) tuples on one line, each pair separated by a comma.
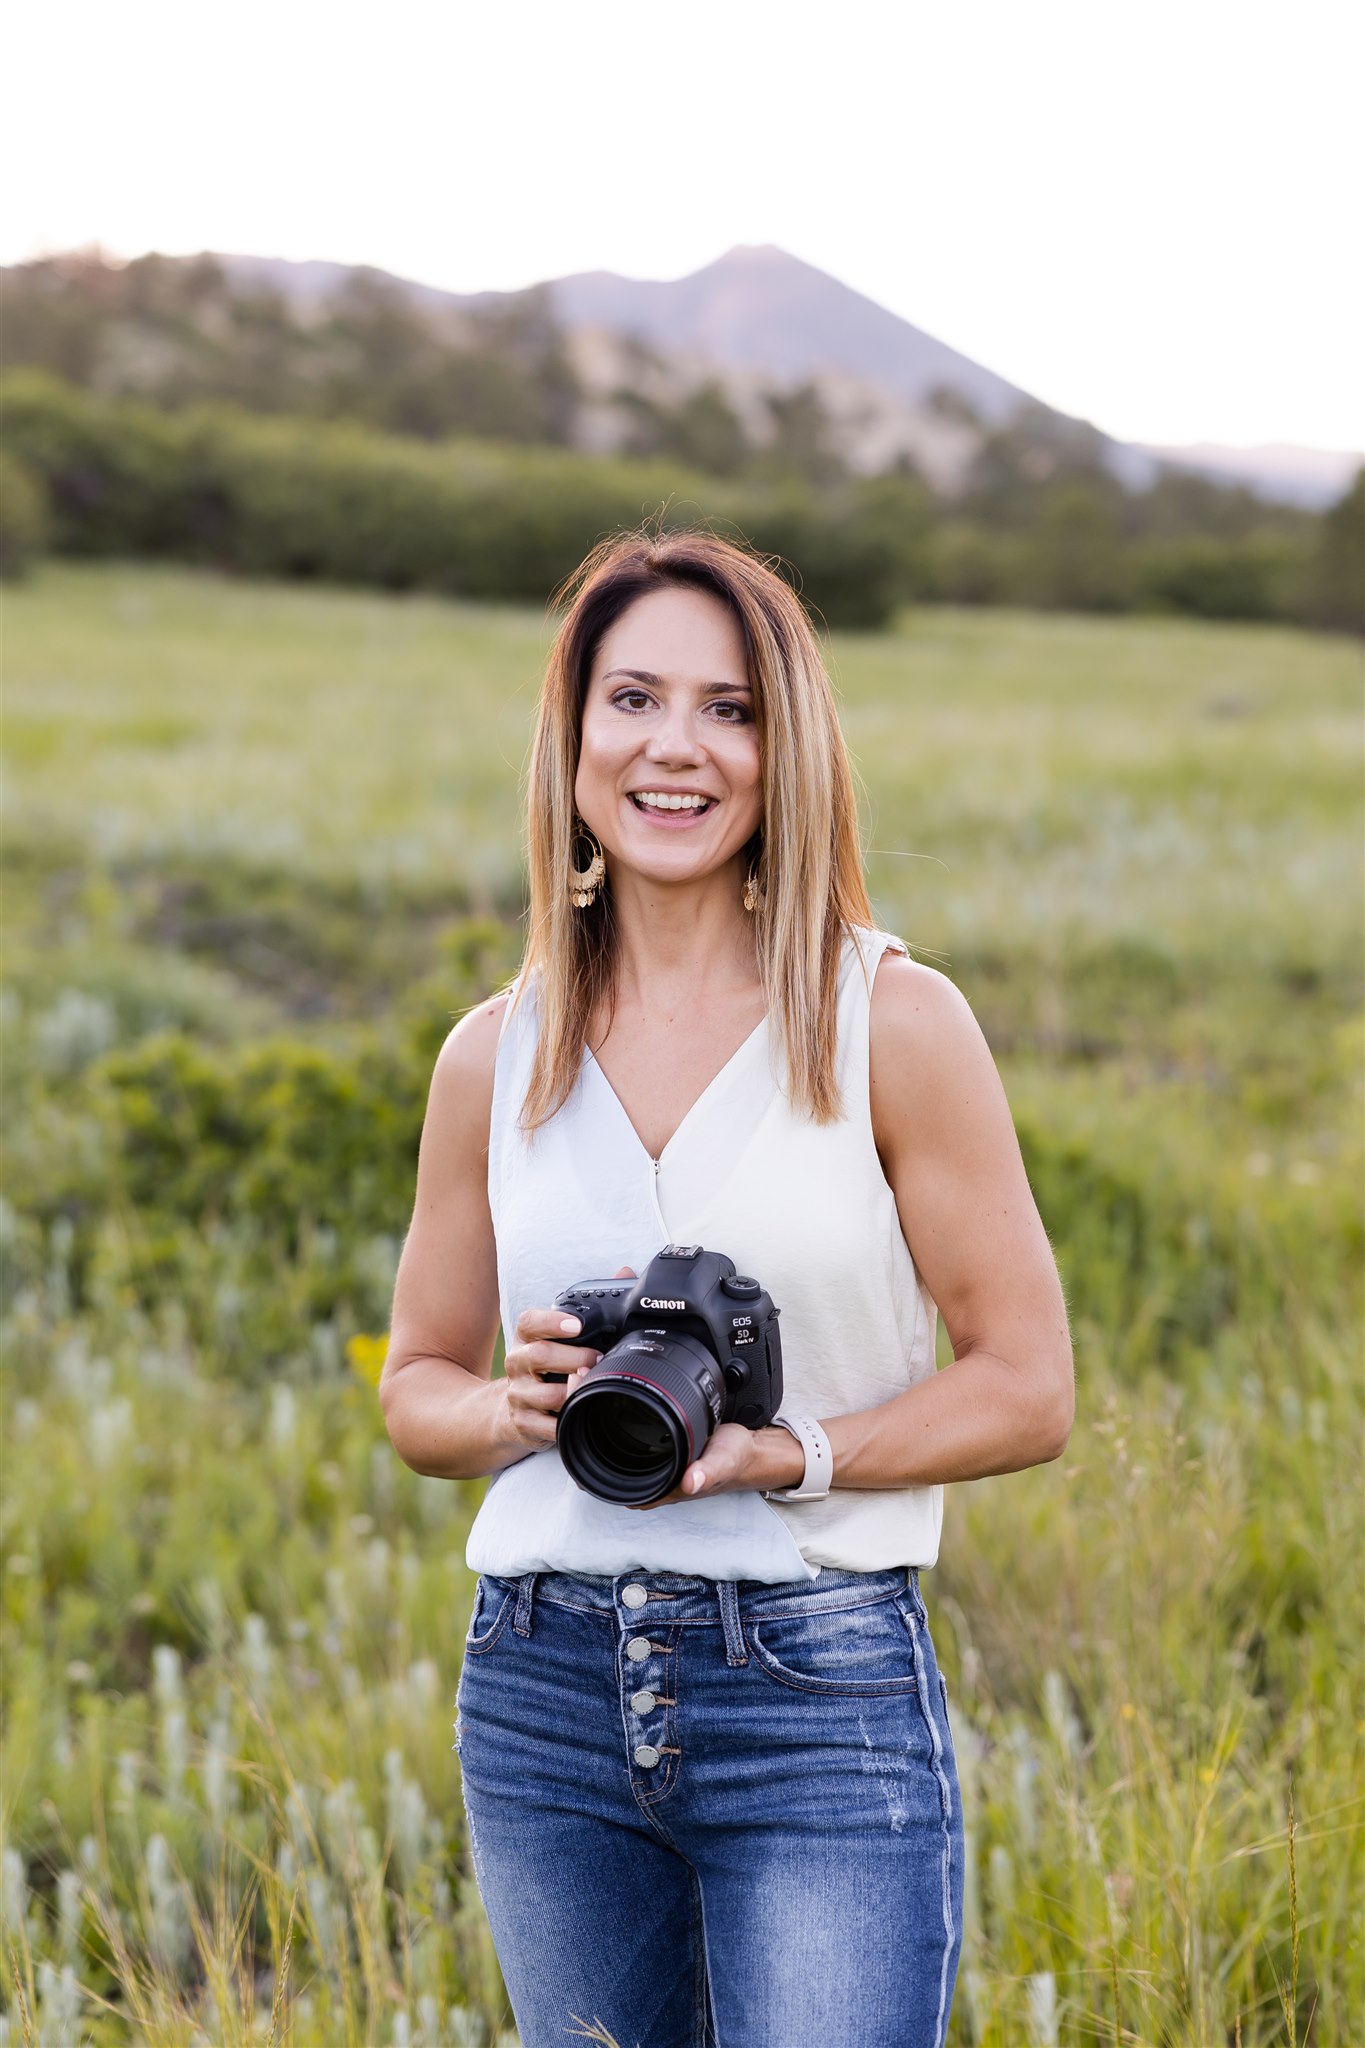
[(714, 1815)]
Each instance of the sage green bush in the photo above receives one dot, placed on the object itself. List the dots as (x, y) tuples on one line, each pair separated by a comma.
[(344, 504), (24, 520), (1251, 578)]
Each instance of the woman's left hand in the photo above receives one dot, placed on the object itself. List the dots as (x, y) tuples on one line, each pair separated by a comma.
[(732, 1462)]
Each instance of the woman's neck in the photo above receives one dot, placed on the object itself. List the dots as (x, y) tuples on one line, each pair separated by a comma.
[(694, 942)]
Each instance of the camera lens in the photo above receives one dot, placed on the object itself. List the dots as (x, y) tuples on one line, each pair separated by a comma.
[(632, 1428), (630, 1435)]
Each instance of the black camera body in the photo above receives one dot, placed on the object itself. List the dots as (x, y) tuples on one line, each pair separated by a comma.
[(690, 1345)]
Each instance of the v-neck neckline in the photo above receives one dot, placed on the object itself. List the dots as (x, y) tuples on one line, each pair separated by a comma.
[(657, 1160)]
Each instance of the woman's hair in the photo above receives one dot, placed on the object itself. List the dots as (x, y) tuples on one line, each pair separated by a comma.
[(810, 870)]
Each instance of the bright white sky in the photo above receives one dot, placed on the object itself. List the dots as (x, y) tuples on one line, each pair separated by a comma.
[(1146, 215)]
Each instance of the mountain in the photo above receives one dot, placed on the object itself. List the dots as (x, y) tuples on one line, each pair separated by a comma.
[(759, 317), (764, 311)]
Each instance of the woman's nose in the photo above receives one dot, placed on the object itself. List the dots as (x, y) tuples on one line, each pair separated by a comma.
[(674, 739)]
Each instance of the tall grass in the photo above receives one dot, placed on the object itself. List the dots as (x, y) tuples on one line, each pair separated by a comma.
[(232, 1620)]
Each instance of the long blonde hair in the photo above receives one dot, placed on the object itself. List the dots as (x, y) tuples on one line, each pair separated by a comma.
[(810, 869)]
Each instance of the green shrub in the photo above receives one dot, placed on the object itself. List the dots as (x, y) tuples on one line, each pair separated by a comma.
[(857, 552), (1074, 555), (288, 1137), (112, 473), (1336, 587), (24, 520), (292, 498), (968, 565), (263, 1185), (1251, 578)]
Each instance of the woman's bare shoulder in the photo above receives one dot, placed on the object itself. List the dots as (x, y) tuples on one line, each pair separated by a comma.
[(462, 1082), (927, 1047), (911, 1001), (471, 1046)]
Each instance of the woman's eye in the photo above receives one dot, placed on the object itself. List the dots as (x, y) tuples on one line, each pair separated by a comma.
[(631, 700), (730, 713)]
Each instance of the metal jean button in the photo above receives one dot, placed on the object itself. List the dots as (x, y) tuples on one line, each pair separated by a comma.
[(642, 1703), (634, 1596), (646, 1756), (637, 1649)]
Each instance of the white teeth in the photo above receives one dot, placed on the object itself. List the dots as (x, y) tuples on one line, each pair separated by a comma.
[(658, 800)]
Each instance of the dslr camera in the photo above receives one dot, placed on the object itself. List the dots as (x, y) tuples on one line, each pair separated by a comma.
[(691, 1345)]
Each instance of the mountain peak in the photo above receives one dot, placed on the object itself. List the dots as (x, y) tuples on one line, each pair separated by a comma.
[(759, 309), (757, 255)]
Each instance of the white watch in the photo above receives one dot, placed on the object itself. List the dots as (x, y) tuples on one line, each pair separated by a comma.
[(819, 1471)]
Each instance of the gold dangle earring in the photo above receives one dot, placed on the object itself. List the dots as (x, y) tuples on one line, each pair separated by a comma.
[(752, 893), (584, 883)]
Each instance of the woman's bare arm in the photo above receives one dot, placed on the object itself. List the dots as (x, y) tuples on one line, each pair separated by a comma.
[(949, 1151), (445, 1414)]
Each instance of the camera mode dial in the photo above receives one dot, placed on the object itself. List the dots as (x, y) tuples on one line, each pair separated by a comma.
[(740, 1287)]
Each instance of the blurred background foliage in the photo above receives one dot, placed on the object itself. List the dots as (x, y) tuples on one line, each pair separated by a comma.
[(167, 407), (261, 847)]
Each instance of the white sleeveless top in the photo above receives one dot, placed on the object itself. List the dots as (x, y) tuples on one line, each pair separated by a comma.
[(805, 1207)]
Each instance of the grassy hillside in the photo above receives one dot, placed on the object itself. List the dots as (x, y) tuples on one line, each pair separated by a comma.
[(260, 843)]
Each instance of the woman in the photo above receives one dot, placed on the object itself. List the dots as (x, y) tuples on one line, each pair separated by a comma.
[(705, 1747)]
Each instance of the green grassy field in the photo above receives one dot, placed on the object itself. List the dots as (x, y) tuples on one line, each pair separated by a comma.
[(260, 844)]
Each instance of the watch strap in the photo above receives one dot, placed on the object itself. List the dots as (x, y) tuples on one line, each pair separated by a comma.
[(819, 1472)]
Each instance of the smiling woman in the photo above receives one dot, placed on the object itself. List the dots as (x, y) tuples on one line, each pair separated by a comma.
[(705, 1747)]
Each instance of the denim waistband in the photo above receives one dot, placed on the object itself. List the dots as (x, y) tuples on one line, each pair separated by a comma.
[(684, 1599)]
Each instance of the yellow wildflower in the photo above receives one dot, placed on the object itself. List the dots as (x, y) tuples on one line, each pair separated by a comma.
[(365, 1356)]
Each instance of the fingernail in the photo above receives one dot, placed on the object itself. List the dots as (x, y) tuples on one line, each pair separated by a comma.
[(698, 1480), (570, 1325)]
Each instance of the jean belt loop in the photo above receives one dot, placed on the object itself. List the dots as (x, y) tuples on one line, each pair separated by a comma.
[(521, 1620), (735, 1651)]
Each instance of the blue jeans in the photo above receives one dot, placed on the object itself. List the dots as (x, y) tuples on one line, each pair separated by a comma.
[(714, 1815)]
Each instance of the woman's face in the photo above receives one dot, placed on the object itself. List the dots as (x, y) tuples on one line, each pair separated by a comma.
[(669, 715)]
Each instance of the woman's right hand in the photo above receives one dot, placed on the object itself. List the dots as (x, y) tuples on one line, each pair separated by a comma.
[(542, 1346)]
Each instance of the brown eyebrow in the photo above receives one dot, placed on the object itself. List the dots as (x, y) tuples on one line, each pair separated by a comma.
[(644, 675)]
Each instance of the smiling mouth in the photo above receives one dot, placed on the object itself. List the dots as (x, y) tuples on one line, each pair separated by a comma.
[(672, 801)]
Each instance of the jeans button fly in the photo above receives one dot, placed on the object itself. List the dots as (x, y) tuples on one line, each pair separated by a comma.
[(634, 1596), (637, 1649), (646, 1756), (642, 1703)]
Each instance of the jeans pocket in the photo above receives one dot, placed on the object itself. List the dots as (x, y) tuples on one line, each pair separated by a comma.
[(857, 1652), (494, 1604)]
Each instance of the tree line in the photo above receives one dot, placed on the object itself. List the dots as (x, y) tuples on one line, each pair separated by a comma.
[(165, 406)]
